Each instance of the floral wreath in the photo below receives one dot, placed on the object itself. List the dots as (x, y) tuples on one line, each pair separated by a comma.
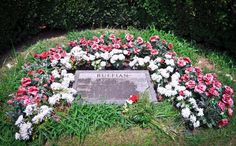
[(201, 98)]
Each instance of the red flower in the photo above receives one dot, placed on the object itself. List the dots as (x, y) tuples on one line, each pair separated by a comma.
[(217, 84), (83, 42), (221, 105), (223, 123), (170, 46), (40, 71), (190, 84), (33, 90), (133, 98), (44, 55), (139, 40), (25, 81), (154, 38), (185, 77), (212, 91), (21, 91), (230, 112), (37, 56), (129, 37)]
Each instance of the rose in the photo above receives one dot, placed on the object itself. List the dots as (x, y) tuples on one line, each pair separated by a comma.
[(200, 88), (44, 55), (25, 82), (140, 40), (221, 105), (129, 37), (154, 38), (223, 122), (190, 84), (33, 90), (170, 46)]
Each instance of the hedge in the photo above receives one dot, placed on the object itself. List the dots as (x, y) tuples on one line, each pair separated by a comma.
[(208, 22)]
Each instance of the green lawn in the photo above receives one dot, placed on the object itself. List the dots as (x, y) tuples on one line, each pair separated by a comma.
[(104, 124)]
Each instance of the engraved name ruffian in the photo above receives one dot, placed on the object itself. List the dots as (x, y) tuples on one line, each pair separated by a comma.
[(112, 75)]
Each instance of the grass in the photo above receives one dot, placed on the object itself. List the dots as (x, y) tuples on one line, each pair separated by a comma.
[(103, 124)]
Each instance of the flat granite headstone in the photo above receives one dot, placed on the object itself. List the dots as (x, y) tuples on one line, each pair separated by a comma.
[(112, 86)]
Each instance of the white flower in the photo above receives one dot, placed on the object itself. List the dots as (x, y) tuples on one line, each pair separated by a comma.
[(103, 64), (185, 112), (56, 86), (9, 66), (63, 72), (193, 118), (180, 98), (125, 52), (196, 124), (164, 73), (152, 66), (158, 59), (105, 56), (55, 73), (17, 136), (156, 77), (97, 55), (180, 88), (53, 99), (91, 57), (121, 57), (187, 93), (25, 131), (170, 69), (170, 62), (76, 49), (44, 111), (19, 121), (168, 87), (29, 109), (146, 59), (112, 61), (132, 63), (168, 56), (200, 112), (54, 63), (141, 61)]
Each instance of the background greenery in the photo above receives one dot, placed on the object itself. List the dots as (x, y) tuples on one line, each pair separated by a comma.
[(211, 23)]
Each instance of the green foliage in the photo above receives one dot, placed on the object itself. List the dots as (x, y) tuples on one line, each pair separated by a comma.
[(207, 22)]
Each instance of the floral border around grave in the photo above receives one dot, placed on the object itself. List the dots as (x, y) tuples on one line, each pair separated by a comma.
[(201, 98)]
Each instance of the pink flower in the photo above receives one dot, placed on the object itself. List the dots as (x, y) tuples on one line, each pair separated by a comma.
[(112, 37), (83, 42), (190, 84), (21, 91), (228, 90), (208, 78), (136, 50), (212, 91), (149, 46), (117, 46), (154, 38), (217, 84), (200, 78), (170, 46), (95, 46), (129, 37), (230, 112), (223, 122), (33, 90), (10, 101), (130, 44), (185, 77), (227, 100), (25, 82), (198, 70), (73, 43), (26, 101), (163, 42), (37, 56), (181, 62), (154, 52), (140, 40), (96, 39), (200, 88), (221, 105), (230, 102)]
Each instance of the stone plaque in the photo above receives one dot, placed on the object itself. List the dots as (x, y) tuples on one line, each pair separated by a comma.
[(112, 86)]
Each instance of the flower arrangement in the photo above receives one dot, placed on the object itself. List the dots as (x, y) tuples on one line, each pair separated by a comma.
[(201, 98)]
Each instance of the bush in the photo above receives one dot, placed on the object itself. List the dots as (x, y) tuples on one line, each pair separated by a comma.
[(208, 22)]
